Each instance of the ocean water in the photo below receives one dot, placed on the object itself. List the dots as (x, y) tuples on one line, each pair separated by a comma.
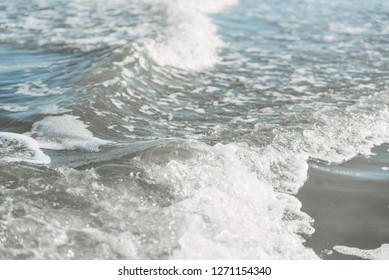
[(183, 129)]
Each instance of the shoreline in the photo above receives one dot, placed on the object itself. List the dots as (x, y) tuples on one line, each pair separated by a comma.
[(349, 203)]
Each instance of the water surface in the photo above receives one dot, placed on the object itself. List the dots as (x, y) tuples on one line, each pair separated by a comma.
[(181, 129)]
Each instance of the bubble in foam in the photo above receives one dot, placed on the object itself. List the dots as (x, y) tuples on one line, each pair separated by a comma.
[(21, 148)]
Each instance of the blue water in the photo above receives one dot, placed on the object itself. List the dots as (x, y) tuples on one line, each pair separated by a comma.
[(181, 129)]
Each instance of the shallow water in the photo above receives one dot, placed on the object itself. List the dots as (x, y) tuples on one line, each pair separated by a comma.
[(181, 129), (350, 205)]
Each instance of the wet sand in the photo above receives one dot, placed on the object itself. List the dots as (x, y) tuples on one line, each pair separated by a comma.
[(349, 202)]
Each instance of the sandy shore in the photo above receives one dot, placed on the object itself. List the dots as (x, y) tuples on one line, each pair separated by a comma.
[(349, 202)]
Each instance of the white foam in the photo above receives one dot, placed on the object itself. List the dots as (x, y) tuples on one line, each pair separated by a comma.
[(381, 253), (65, 133), (190, 41), (71, 26), (52, 109), (21, 148), (220, 186), (229, 207), (14, 108), (121, 243), (336, 136), (38, 88)]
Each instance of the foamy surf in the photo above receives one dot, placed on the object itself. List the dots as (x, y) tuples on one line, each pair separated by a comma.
[(65, 132), (217, 190), (190, 41), (381, 253), (21, 148), (180, 129)]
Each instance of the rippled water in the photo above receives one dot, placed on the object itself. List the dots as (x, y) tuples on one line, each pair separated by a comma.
[(180, 129)]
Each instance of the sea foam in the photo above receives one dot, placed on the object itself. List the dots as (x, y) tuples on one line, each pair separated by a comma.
[(217, 187), (225, 207), (381, 253), (190, 41), (65, 132), (16, 147)]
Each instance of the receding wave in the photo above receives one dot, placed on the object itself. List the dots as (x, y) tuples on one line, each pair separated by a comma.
[(178, 129)]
